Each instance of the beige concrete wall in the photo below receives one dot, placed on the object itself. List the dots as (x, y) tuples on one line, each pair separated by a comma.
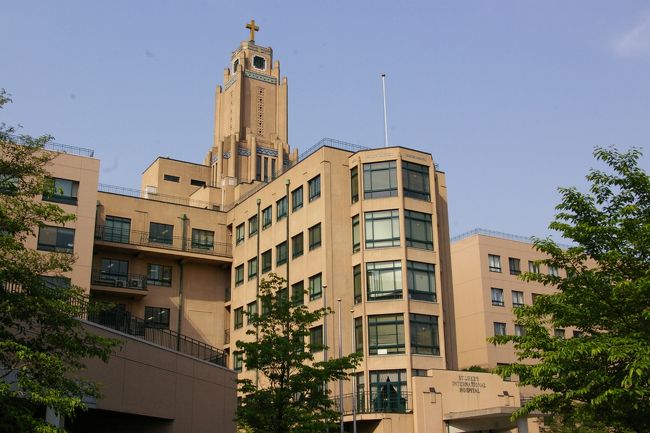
[(154, 176)]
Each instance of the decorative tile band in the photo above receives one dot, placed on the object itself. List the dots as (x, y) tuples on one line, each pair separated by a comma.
[(243, 152), (230, 82), (226, 155), (266, 151), (215, 158), (260, 77)]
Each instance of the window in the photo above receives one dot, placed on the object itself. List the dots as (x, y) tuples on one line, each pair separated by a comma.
[(259, 62), (386, 334), (117, 230), (494, 263), (252, 268), (358, 335), (517, 299), (559, 333), (238, 361), (298, 293), (267, 218), (114, 271), (419, 232), (415, 179), (553, 271), (239, 275), (281, 254), (202, 239), (159, 275), (499, 328), (63, 191), (267, 261), (424, 334), (359, 383), (282, 207), (161, 233), (497, 297), (356, 278), (354, 184), (314, 237), (421, 281), (356, 240), (534, 297), (316, 339), (533, 267), (196, 182), (239, 317), (520, 331), (156, 317), (283, 295), (253, 226), (57, 239), (258, 167), (388, 391), (314, 188), (380, 179), (251, 311), (515, 266), (577, 334), (382, 229), (297, 245), (419, 372), (384, 280), (239, 234), (56, 282), (171, 178), (315, 287), (296, 199)]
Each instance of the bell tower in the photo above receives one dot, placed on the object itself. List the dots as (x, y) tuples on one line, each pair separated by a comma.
[(250, 124)]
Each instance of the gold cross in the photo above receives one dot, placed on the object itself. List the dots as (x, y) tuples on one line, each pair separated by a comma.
[(253, 28)]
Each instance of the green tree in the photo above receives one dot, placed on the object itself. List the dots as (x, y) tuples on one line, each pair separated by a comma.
[(602, 375), (42, 345), (292, 394)]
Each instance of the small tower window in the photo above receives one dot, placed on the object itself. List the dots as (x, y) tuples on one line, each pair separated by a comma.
[(259, 62), (235, 65)]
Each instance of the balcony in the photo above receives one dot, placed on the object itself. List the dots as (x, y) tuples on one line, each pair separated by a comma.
[(125, 284), (375, 402), (170, 243)]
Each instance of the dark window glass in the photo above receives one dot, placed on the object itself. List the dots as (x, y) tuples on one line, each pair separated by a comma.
[(354, 184), (314, 188), (296, 199), (386, 334), (388, 391), (259, 62), (424, 334), (251, 310), (499, 328), (239, 275), (202, 239), (114, 272), (239, 233), (380, 179), (358, 335), (239, 317), (258, 168), (117, 229), (281, 254), (382, 229), (57, 239), (282, 206), (315, 287), (238, 361), (515, 266), (384, 280), (63, 191), (159, 275), (517, 299), (298, 293), (497, 297), (56, 282), (297, 245), (171, 178), (253, 226), (415, 178), (316, 339), (267, 218), (196, 182), (419, 232), (267, 261), (314, 236), (356, 277), (161, 233), (156, 317), (494, 263), (356, 237), (421, 281), (252, 268)]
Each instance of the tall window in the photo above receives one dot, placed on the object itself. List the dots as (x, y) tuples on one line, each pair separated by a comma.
[(354, 184), (515, 265), (156, 317), (553, 271), (424, 334), (314, 188), (533, 267), (415, 178), (281, 254), (380, 179), (296, 199), (161, 233), (202, 239), (517, 299), (421, 281), (314, 236), (115, 269), (239, 234), (384, 280), (358, 335), (297, 245), (497, 297), (382, 229), (239, 275), (298, 293), (520, 331), (57, 239), (388, 391), (117, 229), (315, 287), (419, 232), (252, 268), (253, 226), (494, 263), (386, 334), (64, 191), (239, 317), (316, 339), (356, 278), (267, 261), (282, 207), (251, 311), (356, 237), (159, 275), (499, 328), (267, 217), (238, 359)]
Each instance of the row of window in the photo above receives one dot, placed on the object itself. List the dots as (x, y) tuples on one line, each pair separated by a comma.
[(157, 275), (281, 210), (501, 329), (384, 281), (177, 179), (382, 229), (63, 191), (118, 229), (380, 180), (514, 264), (517, 297)]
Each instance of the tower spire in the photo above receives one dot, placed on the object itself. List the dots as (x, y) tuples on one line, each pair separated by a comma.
[(253, 28)]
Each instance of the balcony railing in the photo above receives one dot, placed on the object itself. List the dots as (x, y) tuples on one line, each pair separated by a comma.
[(375, 402), (153, 195), (176, 243), (100, 277)]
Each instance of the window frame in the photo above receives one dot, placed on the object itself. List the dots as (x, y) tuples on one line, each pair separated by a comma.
[(315, 292), (412, 171), (164, 275), (500, 328), (238, 318), (514, 265), (371, 174), (419, 323), (267, 217), (281, 253), (494, 263), (413, 269), (297, 204), (157, 233), (497, 297), (382, 341), (252, 268), (297, 240), (253, 226), (382, 267), (60, 243), (202, 239), (374, 222), (515, 299), (240, 233), (239, 279), (281, 208), (267, 260), (356, 234), (72, 198), (314, 188), (411, 221), (314, 332), (313, 242), (354, 184), (153, 312)]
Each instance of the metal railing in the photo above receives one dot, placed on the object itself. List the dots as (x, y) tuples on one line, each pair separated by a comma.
[(153, 195), (125, 322), (101, 277), (375, 402), (501, 235), (176, 243), (55, 147)]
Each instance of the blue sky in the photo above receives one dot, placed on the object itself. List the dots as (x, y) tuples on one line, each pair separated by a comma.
[(509, 96)]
